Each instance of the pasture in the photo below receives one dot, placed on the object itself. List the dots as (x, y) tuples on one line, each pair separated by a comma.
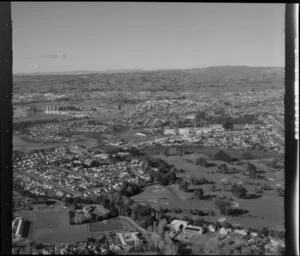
[(62, 235)]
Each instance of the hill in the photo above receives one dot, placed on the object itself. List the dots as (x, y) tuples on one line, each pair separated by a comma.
[(222, 78)]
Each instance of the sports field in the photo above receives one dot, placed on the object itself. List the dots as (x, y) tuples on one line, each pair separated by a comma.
[(62, 235), (110, 225), (56, 218)]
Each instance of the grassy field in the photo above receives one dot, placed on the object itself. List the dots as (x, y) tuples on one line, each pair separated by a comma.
[(26, 144), (267, 210), (111, 225), (50, 226), (20, 144), (63, 235), (57, 218)]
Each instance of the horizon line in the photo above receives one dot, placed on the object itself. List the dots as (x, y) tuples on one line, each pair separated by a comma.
[(136, 69)]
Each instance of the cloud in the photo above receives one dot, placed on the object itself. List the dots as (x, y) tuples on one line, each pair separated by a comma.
[(54, 56)]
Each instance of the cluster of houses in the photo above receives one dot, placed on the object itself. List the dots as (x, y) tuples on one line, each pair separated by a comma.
[(181, 231), (53, 132), (73, 170), (37, 187), (112, 243), (243, 137)]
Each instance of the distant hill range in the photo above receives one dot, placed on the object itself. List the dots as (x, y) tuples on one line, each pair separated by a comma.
[(82, 72), (196, 79)]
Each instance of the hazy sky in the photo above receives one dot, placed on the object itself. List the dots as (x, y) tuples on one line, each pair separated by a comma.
[(64, 36)]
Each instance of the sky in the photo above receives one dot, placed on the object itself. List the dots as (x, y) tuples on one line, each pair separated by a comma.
[(68, 36)]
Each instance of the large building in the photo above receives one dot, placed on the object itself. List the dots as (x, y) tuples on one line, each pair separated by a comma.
[(20, 227)]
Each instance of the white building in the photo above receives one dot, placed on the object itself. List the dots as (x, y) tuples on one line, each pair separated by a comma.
[(169, 131), (217, 127), (175, 224), (184, 131)]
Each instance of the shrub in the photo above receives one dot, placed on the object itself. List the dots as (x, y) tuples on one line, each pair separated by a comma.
[(223, 205), (280, 191), (199, 194), (238, 191)]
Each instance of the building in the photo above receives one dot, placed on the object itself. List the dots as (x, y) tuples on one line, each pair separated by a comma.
[(217, 128), (192, 230), (184, 131), (175, 224), (129, 238), (169, 131), (20, 227)]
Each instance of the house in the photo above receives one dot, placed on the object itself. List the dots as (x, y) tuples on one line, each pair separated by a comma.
[(241, 232), (192, 230), (175, 224), (225, 231), (128, 238), (169, 131), (211, 228), (217, 127), (184, 131)]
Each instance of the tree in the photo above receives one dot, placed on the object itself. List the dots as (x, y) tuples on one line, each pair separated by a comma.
[(223, 205), (161, 227), (228, 125), (264, 231), (184, 186), (223, 168), (200, 118), (222, 156), (247, 155), (251, 171), (199, 193), (280, 191), (202, 161), (239, 191)]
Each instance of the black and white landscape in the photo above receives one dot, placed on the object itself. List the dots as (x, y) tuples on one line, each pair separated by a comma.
[(153, 128)]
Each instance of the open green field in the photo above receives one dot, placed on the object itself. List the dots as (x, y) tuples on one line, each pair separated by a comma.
[(157, 194), (268, 210), (26, 146), (111, 225), (57, 218), (114, 225), (62, 235), (26, 143), (51, 225)]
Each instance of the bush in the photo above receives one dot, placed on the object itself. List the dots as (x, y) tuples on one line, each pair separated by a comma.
[(264, 231), (239, 191), (223, 168), (199, 194), (280, 191), (223, 205), (202, 161)]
